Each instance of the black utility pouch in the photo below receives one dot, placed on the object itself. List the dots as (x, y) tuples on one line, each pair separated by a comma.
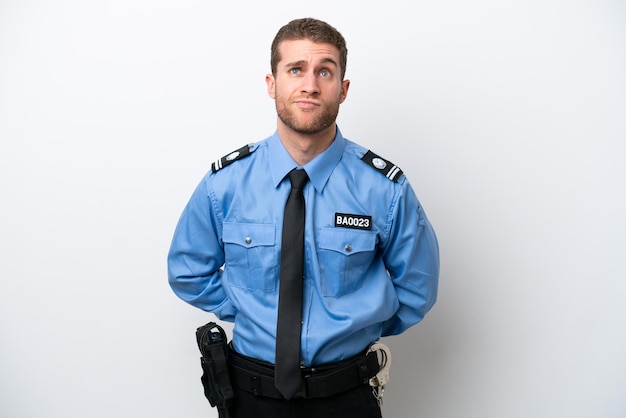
[(213, 345)]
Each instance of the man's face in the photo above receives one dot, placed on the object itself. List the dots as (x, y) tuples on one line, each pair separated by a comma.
[(307, 86)]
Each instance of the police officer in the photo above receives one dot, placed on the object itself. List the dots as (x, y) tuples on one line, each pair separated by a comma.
[(370, 260)]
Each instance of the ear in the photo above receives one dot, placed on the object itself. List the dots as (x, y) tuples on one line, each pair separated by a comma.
[(271, 85), (345, 85)]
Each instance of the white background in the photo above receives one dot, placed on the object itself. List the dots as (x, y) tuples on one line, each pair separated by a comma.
[(507, 117)]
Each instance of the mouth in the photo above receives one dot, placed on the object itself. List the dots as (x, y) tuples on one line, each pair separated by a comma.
[(306, 104)]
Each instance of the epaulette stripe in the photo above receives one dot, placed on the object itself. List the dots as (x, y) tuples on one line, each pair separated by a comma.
[(217, 165), (385, 167), (393, 172), (231, 158)]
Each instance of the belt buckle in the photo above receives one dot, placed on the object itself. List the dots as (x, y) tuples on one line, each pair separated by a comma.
[(302, 393)]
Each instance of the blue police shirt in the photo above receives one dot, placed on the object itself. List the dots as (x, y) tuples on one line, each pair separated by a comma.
[(371, 255)]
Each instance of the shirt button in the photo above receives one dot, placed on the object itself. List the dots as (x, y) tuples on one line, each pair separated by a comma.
[(248, 240), (348, 248)]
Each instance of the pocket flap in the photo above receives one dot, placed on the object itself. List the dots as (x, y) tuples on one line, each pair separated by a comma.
[(347, 241), (249, 235)]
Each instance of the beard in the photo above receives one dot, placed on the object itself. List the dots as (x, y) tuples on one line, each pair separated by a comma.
[(305, 125)]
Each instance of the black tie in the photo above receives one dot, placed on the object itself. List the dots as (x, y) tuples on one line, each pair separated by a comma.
[(288, 376)]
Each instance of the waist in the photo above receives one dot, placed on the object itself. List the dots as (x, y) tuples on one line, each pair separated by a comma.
[(257, 376), (256, 338)]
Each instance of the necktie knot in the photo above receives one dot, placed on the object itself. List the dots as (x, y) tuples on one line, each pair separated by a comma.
[(298, 178)]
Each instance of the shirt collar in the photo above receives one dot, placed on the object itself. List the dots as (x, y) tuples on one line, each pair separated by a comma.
[(318, 170)]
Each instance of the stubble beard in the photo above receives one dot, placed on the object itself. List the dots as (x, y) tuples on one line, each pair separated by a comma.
[(326, 118)]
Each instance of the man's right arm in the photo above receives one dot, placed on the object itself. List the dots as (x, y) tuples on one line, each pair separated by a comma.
[(196, 257)]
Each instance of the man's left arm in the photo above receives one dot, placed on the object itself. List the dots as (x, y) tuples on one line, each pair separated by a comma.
[(412, 260)]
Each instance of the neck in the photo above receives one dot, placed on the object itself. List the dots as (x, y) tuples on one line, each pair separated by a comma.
[(305, 147)]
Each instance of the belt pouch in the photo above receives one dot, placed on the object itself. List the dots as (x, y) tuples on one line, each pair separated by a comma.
[(213, 345)]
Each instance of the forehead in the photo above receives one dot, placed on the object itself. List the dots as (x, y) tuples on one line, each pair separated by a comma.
[(304, 50)]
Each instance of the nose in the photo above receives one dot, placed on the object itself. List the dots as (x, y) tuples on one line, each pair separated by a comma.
[(309, 83)]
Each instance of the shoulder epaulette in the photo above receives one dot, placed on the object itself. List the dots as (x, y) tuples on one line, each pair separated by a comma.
[(389, 169), (231, 158)]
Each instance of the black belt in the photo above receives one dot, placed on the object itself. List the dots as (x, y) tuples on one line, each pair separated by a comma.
[(257, 376)]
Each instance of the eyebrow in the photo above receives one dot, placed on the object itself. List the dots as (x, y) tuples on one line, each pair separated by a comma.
[(303, 62)]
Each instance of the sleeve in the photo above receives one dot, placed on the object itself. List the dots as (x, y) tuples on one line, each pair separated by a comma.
[(196, 257), (412, 260)]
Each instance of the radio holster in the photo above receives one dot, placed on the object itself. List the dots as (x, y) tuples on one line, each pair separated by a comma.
[(213, 345)]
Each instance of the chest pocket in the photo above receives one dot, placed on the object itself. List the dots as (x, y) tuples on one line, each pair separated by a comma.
[(345, 256), (250, 254)]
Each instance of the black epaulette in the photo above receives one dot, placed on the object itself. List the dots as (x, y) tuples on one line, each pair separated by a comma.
[(389, 169), (231, 158)]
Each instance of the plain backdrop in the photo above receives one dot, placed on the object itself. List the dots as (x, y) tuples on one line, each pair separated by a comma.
[(509, 119)]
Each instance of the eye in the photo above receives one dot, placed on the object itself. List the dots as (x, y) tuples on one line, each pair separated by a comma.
[(325, 73), (294, 71)]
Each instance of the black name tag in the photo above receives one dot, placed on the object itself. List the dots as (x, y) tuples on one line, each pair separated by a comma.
[(346, 220)]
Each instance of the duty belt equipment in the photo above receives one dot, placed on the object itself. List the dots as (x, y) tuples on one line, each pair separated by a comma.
[(221, 364), (213, 346)]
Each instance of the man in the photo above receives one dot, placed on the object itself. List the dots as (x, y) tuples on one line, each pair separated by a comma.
[(370, 261)]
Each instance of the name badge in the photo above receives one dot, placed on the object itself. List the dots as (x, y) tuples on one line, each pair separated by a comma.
[(346, 220)]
